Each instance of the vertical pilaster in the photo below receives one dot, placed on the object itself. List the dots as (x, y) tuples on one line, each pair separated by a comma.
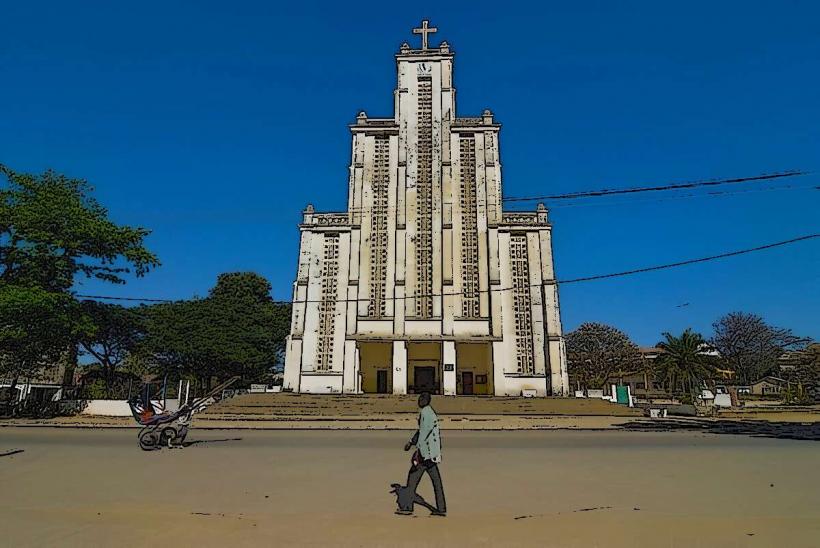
[(448, 380), (351, 368), (293, 358), (399, 367)]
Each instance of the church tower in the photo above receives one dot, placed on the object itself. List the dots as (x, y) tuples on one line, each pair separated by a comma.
[(424, 283)]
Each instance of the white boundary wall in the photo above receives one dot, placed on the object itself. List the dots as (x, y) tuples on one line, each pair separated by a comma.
[(118, 408)]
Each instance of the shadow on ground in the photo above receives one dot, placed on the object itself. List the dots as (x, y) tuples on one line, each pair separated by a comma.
[(758, 429), (202, 442)]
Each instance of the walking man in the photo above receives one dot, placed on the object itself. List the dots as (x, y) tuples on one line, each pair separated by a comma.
[(427, 441)]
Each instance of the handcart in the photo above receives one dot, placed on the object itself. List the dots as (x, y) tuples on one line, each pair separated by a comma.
[(160, 428)]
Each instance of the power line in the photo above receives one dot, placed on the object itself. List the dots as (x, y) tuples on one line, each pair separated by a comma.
[(613, 191), (633, 190), (410, 206), (659, 199), (503, 289), (690, 261), (250, 217)]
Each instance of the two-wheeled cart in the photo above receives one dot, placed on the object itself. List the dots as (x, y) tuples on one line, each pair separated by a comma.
[(161, 429)]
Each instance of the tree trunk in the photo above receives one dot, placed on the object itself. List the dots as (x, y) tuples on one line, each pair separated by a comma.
[(108, 374), (12, 389)]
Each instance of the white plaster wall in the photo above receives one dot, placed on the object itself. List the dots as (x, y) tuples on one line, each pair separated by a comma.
[(399, 367), (120, 408), (448, 381), (514, 385), (293, 362), (321, 384)]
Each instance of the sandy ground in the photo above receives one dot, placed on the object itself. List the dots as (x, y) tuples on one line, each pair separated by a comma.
[(398, 421), (71, 487)]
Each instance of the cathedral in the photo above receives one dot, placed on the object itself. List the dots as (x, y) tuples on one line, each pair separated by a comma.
[(425, 283)]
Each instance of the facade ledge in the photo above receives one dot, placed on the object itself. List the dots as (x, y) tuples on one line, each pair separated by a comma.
[(423, 54), (363, 337), (463, 319), (326, 220), (372, 319), (516, 218)]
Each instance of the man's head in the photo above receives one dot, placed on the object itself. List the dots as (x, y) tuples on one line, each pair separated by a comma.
[(424, 399)]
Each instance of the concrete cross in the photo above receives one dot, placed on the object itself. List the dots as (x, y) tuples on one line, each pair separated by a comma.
[(424, 31)]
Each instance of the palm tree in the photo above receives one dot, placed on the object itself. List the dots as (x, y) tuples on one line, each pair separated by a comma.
[(682, 363), (649, 370)]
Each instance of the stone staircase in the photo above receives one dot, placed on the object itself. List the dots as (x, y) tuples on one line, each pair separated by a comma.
[(284, 405)]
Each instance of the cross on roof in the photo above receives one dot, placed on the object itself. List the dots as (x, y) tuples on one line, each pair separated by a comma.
[(424, 31)]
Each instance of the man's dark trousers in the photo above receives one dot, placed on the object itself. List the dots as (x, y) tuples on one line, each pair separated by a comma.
[(414, 477)]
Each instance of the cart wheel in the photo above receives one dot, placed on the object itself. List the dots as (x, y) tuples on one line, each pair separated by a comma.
[(181, 435), (148, 441), (168, 436)]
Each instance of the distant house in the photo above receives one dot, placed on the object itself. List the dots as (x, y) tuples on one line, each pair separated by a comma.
[(640, 382), (46, 385), (769, 386), (792, 359)]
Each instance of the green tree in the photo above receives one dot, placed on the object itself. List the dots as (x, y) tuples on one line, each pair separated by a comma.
[(51, 229), (236, 330), (803, 375), (750, 346), (111, 334), (649, 370), (596, 351), (683, 363), (36, 329)]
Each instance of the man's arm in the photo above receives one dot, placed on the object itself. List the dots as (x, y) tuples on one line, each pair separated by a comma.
[(413, 441)]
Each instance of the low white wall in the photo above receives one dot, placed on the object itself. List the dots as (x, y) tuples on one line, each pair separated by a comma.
[(320, 384), (514, 385), (118, 408)]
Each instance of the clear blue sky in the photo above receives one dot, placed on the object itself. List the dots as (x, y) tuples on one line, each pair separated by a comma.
[(214, 123)]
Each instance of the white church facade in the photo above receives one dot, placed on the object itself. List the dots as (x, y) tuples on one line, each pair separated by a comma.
[(425, 283)]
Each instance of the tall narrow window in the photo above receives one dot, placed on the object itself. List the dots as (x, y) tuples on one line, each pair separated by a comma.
[(378, 228), (424, 201), (522, 304), (469, 228), (327, 306)]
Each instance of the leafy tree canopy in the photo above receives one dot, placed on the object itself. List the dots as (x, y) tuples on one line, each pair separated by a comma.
[(596, 351), (236, 330), (112, 332), (750, 346), (36, 328), (51, 229), (684, 363)]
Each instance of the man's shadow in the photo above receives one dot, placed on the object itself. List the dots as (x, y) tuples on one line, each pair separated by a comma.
[(405, 498)]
